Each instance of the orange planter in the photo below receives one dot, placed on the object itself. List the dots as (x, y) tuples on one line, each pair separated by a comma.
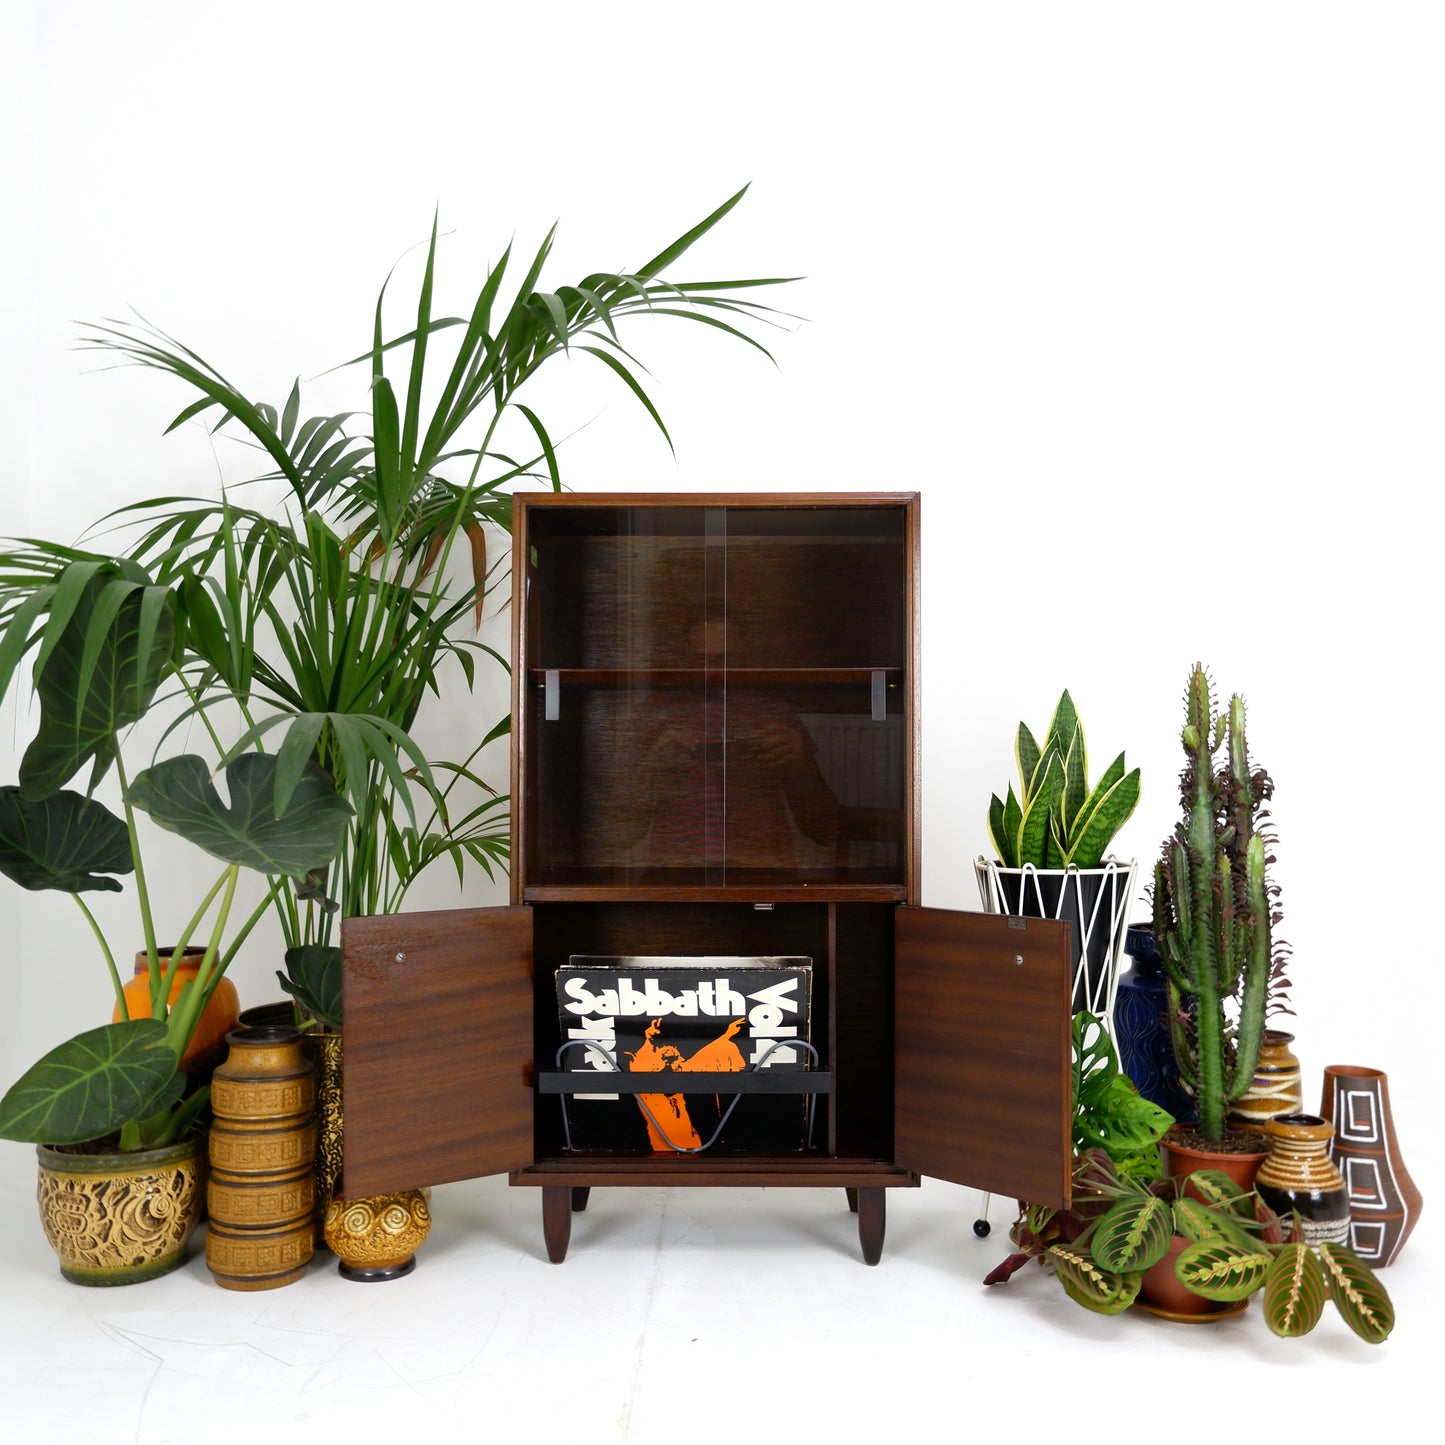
[(208, 1044)]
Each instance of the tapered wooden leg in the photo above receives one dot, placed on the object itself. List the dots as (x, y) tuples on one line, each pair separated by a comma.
[(872, 1208), (556, 1220), (579, 1199), (852, 1200)]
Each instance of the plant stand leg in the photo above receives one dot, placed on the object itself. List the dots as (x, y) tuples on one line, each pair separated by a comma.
[(556, 1220), (579, 1199), (872, 1206)]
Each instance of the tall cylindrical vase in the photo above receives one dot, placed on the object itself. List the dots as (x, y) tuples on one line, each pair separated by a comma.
[(1384, 1202), (263, 1144)]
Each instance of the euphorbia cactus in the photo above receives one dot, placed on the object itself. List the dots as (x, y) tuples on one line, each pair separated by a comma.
[(1215, 910)]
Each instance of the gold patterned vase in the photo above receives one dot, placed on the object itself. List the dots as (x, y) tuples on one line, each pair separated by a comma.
[(324, 1050), (377, 1237), (263, 1145), (121, 1218)]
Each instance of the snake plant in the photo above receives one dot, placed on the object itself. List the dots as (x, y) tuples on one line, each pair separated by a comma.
[(1057, 819)]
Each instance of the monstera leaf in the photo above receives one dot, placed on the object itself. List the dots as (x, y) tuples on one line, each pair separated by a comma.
[(89, 1087), (180, 796), (97, 669), (65, 841)]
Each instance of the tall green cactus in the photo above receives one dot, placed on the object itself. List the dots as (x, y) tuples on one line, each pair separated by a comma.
[(1215, 910)]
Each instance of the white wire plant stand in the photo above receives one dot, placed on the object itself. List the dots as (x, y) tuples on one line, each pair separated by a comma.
[(1095, 902)]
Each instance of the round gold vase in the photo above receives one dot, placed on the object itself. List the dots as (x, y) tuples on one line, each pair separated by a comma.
[(263, 1145), (377, 1237), (121, 1218)]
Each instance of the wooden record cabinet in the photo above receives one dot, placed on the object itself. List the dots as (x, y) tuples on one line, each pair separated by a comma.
[(715, 752)]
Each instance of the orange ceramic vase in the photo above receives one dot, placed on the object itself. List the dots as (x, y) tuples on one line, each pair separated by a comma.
[(208, 1044)]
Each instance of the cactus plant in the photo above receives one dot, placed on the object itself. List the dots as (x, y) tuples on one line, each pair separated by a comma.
[(1060, 820), (1215, 909)]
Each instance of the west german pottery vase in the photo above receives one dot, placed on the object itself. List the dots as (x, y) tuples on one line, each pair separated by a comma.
[(263, 1145), (1299, 1181)]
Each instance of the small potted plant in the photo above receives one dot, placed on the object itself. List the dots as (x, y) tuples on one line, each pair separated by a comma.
[(116, 1117), (1051, 838), (1193, 1256), (1215, 910)]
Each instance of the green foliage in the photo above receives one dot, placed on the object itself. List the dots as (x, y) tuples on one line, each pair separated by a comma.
[(334, 614), (1109, 1111), (1057, 819), (1118, 1228), (1215, 909), (64, 841), (92, 1084), (313, 978), (102, 638)]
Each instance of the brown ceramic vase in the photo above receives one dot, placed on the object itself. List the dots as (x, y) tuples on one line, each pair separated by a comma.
[(263, 1143)]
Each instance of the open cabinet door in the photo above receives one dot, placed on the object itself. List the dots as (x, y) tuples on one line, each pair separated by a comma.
[(983, 1052), (437, 1063)]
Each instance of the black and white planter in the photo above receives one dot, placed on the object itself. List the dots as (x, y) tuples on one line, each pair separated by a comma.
[(1095, 902)]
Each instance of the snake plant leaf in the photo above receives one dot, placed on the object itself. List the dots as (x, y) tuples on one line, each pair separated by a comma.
[(1294, 1292), (1134, 1234), (1064, 724), (1085, 1283), (180, 796), (1357, 1292), (91, 1085), (65, 841), (1106, 811), (99, 677), (1033, 829), (1029, 755), (313, 978), (1075, 792), (1223, 1271), (996, 834)]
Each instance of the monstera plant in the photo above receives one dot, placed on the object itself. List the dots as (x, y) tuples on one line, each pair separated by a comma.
[(104, 637)]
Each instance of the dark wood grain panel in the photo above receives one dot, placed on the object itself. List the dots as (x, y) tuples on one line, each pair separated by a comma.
[(438, 1046), (983, 1052)]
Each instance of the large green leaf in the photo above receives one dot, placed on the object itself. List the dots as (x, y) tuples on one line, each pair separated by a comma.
[(98, 676), (87, 1088), (313, 978), (305, 835), (1086, 1283), (1134, 1234), (1294, 1292), (1223, 1271), (1357, 1292), (65, 841)]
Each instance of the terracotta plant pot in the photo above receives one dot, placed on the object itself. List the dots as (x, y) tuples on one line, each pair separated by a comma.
[(1240, 1165), (1161, 1292), (121, 1218)]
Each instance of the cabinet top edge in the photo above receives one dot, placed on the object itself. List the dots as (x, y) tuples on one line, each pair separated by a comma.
[(714, 499)]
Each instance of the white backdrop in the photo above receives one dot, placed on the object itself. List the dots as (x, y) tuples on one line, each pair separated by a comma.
[(1146, 300)]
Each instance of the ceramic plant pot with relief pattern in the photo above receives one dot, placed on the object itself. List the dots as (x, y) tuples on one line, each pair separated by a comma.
[(121, 1218)]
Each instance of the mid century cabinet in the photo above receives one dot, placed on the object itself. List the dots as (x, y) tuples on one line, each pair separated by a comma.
[(660, 643)]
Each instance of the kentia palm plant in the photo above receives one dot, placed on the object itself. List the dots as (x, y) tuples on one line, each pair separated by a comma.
[(333, 616)]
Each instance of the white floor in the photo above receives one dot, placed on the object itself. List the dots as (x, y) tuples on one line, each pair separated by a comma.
[(679, 1316)]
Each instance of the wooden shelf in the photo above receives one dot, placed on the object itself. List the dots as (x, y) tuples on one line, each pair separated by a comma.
[(702, 676)]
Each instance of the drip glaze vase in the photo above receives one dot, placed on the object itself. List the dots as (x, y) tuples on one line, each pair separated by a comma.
[(263, 1146), (207, 1047), (1300, 1183), (1276, 1088), (1384, 1202)]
